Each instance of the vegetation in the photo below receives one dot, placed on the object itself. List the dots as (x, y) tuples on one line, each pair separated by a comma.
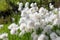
[(8, 8)]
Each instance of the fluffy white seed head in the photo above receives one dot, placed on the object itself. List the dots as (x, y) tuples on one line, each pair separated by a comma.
[(22, 33), (12, 31), (42, 37), (51, 6), (13, 25), (30, 24), (20, 6), (34, 36), (23, 26), (58, 38), (4, 35), (26, 4), (1, 26), (32, 5), (53, 36)]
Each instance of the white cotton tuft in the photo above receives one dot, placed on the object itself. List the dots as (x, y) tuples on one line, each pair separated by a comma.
[(42, 37), (34, 36), (20, 6), (22, 33), (51, 6), (53, 36), (32, 5), (26, 4), (1, 26), (22, 26), (13, 25), (3, 35)]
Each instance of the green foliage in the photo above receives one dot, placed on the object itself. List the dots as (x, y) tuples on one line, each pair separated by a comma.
[(39, 31), (14, 1), (26, 36), (3, 5)]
